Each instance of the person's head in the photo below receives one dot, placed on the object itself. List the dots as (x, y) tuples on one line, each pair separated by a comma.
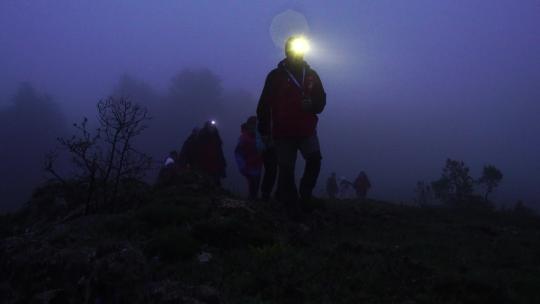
[(173, 154), (333, 174), (243, 128), (295, 48), (195, 131), (210, 126)]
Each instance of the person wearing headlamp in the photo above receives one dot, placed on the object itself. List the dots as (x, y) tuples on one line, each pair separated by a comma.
[(292, 97)]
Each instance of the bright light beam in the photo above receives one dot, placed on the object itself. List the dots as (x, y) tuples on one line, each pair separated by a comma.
[(300, 46)]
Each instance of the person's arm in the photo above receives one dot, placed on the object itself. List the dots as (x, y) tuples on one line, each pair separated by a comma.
[(318, 95), (264, 110)]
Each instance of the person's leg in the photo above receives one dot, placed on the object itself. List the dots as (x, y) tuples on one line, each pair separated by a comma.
[(253, 181), (248, 181), (270, 172), (311, 152), (363, 194), (215, 179), (286, 150)]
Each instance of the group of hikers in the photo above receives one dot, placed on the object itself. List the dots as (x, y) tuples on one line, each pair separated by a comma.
[(285, 123), (341, 188)]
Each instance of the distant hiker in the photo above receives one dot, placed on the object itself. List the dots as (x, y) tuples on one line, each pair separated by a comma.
[(248, 158), (332, 186), (209, 157), (345, 187), (188, 154), (361, 185), (292, 97)]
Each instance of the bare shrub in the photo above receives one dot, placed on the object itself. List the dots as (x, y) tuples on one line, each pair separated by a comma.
[(106, 159)]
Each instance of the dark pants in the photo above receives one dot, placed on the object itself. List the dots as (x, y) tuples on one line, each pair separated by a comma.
[(270, 172), (332, 194), (287, 149), (361, 193), (253, 185), (216, 179)]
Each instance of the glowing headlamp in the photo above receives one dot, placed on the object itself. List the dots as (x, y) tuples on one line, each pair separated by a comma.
[(213, 122), (299, 46)]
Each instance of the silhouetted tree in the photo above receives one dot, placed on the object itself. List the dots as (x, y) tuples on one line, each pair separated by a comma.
[(455, 184), (106, 158), (490, 179)]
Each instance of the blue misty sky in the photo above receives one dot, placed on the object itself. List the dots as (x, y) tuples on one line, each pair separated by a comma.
[(409, 83)]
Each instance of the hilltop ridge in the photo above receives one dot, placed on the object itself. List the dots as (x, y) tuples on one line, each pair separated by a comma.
[(187, 242)]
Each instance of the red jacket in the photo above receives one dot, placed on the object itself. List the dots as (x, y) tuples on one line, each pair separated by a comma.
[(280, 112)]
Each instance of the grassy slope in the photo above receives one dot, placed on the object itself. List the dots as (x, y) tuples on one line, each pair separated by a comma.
[(340, 252)]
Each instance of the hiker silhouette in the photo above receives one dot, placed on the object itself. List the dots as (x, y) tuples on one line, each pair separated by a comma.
[(292, 97)]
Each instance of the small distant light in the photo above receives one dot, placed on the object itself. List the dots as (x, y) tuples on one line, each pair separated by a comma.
[(213, 122)]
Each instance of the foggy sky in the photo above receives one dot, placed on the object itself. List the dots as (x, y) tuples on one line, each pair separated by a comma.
[(409, 83)]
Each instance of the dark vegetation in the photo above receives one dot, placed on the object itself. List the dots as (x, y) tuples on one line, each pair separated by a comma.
[(187, 242), (106, 161), (456, 187)]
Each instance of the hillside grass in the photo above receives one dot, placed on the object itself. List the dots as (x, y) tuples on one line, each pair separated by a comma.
[(338, 251)]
